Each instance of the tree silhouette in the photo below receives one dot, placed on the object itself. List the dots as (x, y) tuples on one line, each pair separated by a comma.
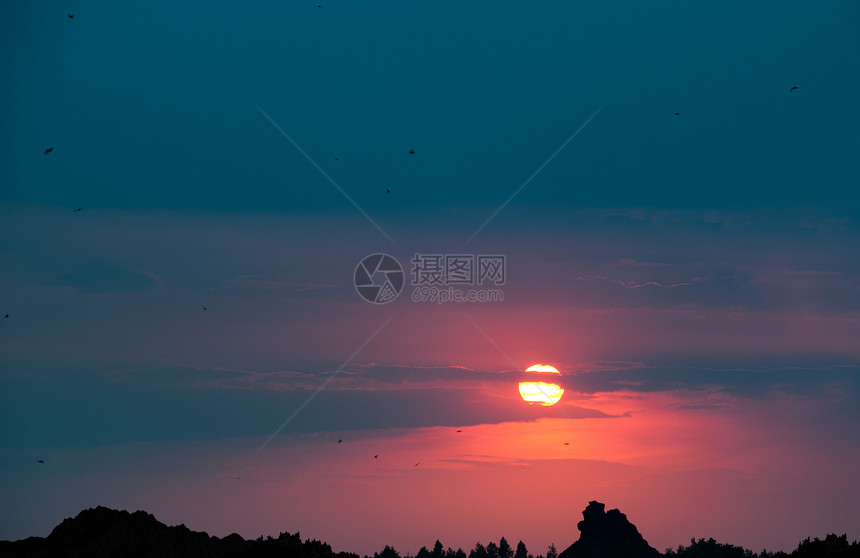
[(709, 549), (505, 550), (387, 552), (439, 552), (521, 551), (551, 552), (478, 552), (492, 550), (833, 546)]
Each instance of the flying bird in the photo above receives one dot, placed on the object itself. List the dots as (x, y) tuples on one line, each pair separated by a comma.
[(459, 431), (417, 464), (71, 16), (387, 191), (40, 460), (49, 150), (677, 114), (6, 316), (204, 308), (376, 456), (412, 152), (79, 209), (340, 441), (794, 88)]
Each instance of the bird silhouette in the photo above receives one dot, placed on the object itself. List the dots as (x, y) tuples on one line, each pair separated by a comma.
[(412, 152), (677, 114), (340, 441), (49, 150), (387, 191), (793, 89), (204, 308), (417, 464), (6, 316), (376, 456), (567, 443), (459, 431), (71, 16), (40, 460), (79, 209)]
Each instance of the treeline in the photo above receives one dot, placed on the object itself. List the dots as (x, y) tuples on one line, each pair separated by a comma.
[(101, 531), (832, 546), (287, 545), (492, 550)]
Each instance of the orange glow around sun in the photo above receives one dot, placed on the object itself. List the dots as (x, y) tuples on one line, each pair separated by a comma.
[(542, 393)]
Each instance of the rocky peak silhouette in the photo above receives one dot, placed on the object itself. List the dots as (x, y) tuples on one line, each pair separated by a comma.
[(101, 531), (607, 535)]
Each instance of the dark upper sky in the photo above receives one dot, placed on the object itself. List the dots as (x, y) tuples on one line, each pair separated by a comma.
[(687, 259), (153, 106)]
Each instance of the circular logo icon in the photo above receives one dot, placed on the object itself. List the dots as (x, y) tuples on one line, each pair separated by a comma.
[(379, 278)]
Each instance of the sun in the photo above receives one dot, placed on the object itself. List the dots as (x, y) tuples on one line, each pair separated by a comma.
[(542, 393)]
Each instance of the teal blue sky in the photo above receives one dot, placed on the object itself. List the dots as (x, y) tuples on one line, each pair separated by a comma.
[(674, 185), (154, 106)]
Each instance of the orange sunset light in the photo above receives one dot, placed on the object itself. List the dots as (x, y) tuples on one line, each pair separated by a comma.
[(542, 393)]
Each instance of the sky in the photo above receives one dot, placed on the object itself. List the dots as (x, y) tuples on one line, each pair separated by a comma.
[(680, 229)]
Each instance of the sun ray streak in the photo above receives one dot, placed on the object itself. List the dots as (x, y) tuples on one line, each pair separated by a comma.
[(325, 174), (534, 174), (325, 383)]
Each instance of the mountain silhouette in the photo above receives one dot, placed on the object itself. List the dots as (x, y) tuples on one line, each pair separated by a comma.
[(101, 532), (607, 535)]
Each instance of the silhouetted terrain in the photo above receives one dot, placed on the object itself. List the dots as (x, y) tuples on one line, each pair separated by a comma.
[(832, 546), (102, 532), (607, 535)]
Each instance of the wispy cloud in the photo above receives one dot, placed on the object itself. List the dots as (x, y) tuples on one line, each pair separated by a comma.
[(636, 263), (107, 278), (635, 285), (760, 382), (274, 283)]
